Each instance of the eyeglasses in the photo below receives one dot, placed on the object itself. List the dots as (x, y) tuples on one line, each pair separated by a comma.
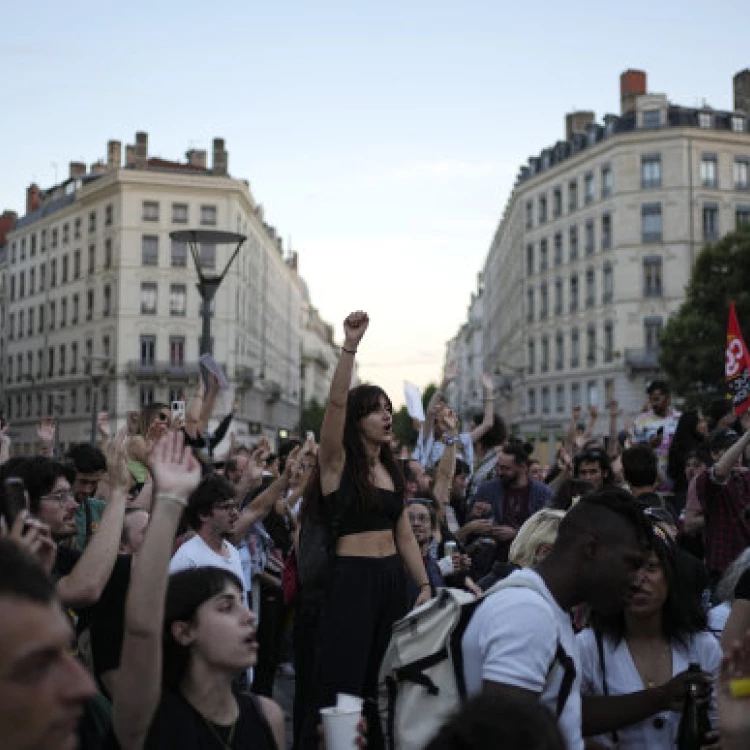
[(228, 507), (59, 497)]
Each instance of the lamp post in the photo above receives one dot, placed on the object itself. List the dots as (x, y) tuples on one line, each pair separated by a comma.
[(208, 285), (96, 381)]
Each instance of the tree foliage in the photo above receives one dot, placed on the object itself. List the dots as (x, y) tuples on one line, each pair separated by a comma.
[(694, 338), (312, 418)]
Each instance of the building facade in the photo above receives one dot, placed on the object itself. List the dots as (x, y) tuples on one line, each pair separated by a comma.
[(595, 249), (103, 310)]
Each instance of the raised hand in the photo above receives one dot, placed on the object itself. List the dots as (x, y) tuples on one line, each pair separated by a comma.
[(355, 327), (614, 408), (45, 430), (447, 420), (486, 381), (593, 412), (35, 537), (102, 425), (117, 468), (4, 436), (577, 414), (450, 373), (174, 468)]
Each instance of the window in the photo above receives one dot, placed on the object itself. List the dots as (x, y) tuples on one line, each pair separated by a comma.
[(651, 118), (21, 322), (65, 237), (651, 333), (74, 358), (208, 255), (39, 364), (179, 254), (588, 187), (50, 362), (104, 397), (556, 203), (12, 288), (54, 238), (87, 399), (208, 215), (77, 228), (149, 250), (65, 269), (177, 352), (575, 348), (177, 299), (150, 211), (10, 369), (652, 276), (705, 120), (572, 195), (77, 264), (11, 326), (90, 304), (147, 395), (92, 222), (710, 221), (708, 171), (148, 297), (738, 124), (607, 181), (62, 359), (53, 273), (43, 241), (41, 319), (560, 399), (592, 393), (73, 400), (591, 345), (589, 237), (742, 217), (33, 246), (530, 305), (529, 260), (74, 314), (651, 171), (179, 213), (573, 241), (651, 222), (543, 302), (63, 312), (107, 300), (529, 214), (105, 347), (52, 315), (108, 253), (606, 232), (590, 287), (609, 342), (558, 249), (31, 321), (545, 354), (87, 357), (108, 213), (148, 351), (531, 401), (22, 285), (559, 351), (608, 284), (176, 394), (558, 296), (42, 276), (545, 400), (542, 209), (92, 259), (741, 172), (543, 255), (573, 293), (531, 349)]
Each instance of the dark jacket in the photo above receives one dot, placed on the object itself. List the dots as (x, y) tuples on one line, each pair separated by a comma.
[(493, 492)]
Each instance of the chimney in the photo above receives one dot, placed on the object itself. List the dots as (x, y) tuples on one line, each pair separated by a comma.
[(33, 198), (742, 91), (197, 158), (632, 85), (221, 158), (77, 169), (7, 221), (141, 150), (114, 154), (129, 156), (577, 122), (99, 167)]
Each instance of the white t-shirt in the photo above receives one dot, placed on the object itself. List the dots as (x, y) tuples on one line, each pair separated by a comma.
[(512, 639), (658, 732), (717, 618), (195, 553)]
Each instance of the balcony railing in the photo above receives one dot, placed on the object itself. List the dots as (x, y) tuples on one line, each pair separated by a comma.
[(642, 360), (168, 370)]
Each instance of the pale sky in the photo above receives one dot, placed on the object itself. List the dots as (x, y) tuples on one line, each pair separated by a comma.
[(382, 138)]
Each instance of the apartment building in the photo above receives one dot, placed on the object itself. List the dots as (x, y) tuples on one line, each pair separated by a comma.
[(595, 248), (102, 306)]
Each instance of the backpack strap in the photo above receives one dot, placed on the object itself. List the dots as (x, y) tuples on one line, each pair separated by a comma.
[(599, 637)]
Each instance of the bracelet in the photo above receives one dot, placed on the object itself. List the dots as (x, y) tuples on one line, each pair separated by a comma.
[(425, 586), (450, 439), (179, 499), (348, 351)]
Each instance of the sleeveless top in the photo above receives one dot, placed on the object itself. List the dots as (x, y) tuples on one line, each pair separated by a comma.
[(383, 516), (178, 726)]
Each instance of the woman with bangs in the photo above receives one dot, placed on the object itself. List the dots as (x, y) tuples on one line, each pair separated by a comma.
[(358, 491), (635, 663)]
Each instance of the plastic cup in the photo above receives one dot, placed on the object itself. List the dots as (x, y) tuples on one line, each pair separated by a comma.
[(346, 702), (340, 728)]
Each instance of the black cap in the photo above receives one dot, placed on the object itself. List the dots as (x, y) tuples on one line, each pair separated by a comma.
[(721, 438)]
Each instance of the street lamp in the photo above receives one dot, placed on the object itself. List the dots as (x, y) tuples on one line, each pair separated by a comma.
[(96, 381), (208, 284)]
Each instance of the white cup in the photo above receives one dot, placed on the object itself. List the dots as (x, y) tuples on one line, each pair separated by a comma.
[(340, 727), (346, 702)]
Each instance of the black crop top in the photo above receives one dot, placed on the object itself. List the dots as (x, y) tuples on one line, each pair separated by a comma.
[(382, 517)]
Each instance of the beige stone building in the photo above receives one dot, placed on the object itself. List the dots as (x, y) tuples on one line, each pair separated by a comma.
[(595, 248), (101, 303)]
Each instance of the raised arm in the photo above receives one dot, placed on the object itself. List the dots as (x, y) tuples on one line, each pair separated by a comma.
[(431, 412), (570, 438), (614, 443), (488, 389), (408, 549), (138, 685), (4, 443), (209, 401), (723, 467), (84, 584), (447, 466), (45, 431), (593, 417), (331, 453)]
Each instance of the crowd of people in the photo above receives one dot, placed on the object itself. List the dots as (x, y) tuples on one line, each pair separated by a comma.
[(152, 592)]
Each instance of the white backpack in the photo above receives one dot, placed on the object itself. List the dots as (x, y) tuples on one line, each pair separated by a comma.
[(422, 682)]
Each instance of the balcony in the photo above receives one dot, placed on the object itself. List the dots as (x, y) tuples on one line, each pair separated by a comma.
[(642, 360), (167, 371)]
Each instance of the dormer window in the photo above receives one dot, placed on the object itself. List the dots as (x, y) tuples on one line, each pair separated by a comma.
[(651, 118), (705, 120), (738, 124)]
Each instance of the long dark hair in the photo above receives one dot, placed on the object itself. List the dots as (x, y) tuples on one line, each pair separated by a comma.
[(685, 439), (682, 612), (186, 591), (361, 401)]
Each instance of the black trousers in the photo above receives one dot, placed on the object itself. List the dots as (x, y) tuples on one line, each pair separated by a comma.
[(366, 596), (270, 630)]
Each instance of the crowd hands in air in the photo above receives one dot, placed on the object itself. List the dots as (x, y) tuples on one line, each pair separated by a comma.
[(153, 592)]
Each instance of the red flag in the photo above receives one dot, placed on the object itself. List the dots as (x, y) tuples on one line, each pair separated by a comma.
[(737, 368)]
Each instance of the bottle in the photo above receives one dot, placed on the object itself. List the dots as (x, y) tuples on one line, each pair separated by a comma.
[(695, 723)]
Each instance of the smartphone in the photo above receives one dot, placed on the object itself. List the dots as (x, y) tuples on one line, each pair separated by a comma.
[(310, 436), (178, 410), (13, 500)]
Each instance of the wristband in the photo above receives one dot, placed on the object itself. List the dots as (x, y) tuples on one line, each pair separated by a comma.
[(740, 688), (425, 586), (348, 351), (179, 499), (450, 439)]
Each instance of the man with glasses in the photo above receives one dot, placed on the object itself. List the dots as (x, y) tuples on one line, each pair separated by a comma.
[(212, 513), (90, 465)]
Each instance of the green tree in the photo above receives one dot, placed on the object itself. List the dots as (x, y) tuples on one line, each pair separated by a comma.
[(694, 338), (312, 418)]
